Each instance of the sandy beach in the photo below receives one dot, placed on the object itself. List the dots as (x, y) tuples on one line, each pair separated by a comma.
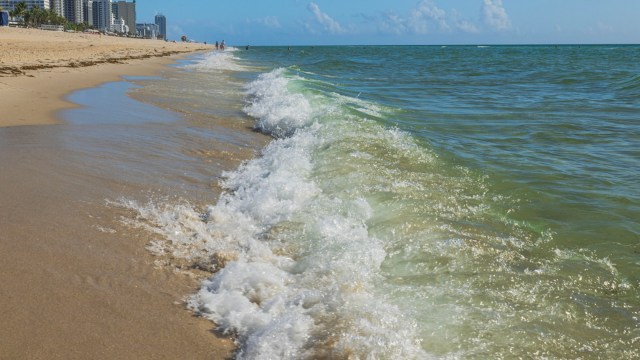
[(76, 283), (43, 66)]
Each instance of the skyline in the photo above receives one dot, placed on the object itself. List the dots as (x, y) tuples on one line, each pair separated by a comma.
[(421, 22)]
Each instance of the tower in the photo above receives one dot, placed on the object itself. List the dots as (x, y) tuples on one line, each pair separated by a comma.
[(161, 21), (102, 14), (126, 11), (72, 11), (57, 6), (87, 11)]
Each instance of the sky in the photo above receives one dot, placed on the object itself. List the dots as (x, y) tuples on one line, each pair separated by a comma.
[(398, 22)]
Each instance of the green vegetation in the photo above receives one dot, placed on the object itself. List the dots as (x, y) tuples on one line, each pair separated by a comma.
[(76, 27), (37, 16), (18, 10)]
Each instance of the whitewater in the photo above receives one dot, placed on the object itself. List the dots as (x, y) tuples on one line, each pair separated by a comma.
[(366, 230)]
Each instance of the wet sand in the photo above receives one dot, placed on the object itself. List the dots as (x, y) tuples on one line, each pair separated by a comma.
[(77, 282), (37, 68)]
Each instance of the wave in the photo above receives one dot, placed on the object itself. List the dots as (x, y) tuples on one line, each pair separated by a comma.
[(630, 84), (347, 238), (278, 111), (216, 61), (297, 266)]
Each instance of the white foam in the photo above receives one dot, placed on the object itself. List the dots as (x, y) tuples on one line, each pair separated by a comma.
[(346, 239), (217, 61), (299, 268), (279, 112)]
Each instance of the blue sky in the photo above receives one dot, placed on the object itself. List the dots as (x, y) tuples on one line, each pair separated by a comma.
[(337, 22)]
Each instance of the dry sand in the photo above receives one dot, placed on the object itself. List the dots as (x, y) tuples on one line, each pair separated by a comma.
[(37, 68), (70, 289)]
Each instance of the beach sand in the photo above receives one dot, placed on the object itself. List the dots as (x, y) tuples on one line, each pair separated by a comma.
[(37, 68), (75, 282)]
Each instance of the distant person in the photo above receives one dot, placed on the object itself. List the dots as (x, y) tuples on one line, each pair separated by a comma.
[(247, 47), (217, 45), (222, 45)]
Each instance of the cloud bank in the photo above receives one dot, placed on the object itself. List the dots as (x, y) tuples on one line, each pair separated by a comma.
[(495, 16), (425, 18), (427, 12), (329, 24)]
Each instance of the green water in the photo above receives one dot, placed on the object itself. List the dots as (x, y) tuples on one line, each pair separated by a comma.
[(449, 202)]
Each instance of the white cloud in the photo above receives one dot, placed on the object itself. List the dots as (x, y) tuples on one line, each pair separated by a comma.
[(394, 24), (271, 21), (495, 15), (463, 24), (467, 26), (426, 17), (424, 13), (325, 20), (267, 21)]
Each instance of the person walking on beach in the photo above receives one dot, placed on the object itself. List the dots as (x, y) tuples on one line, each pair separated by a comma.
[(222, 45), (217, 45)]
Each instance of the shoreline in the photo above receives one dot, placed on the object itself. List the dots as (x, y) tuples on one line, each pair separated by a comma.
[(45, 66), (77, 282)]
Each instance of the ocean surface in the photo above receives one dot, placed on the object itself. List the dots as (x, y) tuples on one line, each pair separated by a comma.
[(417, 202)]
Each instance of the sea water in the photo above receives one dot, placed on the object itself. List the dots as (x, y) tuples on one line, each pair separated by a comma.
[(422, 202)]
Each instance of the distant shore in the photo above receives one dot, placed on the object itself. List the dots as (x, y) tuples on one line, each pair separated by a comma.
[(38, 68)]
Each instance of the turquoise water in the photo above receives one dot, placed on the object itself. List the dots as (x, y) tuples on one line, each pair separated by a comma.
[(427, 202)]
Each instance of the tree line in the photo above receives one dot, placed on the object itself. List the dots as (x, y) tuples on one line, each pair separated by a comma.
[(36, 16)]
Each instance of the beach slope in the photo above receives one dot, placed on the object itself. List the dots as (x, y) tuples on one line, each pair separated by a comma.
[(74, 283)]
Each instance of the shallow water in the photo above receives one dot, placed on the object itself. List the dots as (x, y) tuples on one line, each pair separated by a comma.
[(417, 202)]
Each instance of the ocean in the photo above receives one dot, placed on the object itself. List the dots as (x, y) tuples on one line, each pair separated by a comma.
[(414, 202)]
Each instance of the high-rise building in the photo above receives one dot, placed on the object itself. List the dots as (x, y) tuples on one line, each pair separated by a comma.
[(161, 21), (9, 5), (102, 14), (87, 11), (72, 11), (57, 6), (126, 11), (148, 31)]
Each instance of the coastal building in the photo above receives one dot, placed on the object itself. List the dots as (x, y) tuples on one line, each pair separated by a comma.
[(57, 6), (102, 14), (126, 11), (72, 11), (9, 5), (77, 11), (161, 21), (147, 30), (119, 26), (87, 11)]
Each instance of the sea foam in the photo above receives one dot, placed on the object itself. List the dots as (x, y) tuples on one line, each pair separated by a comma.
[(302, 285), (350, 238), (297, 267), (278, 111), (216, 61)]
